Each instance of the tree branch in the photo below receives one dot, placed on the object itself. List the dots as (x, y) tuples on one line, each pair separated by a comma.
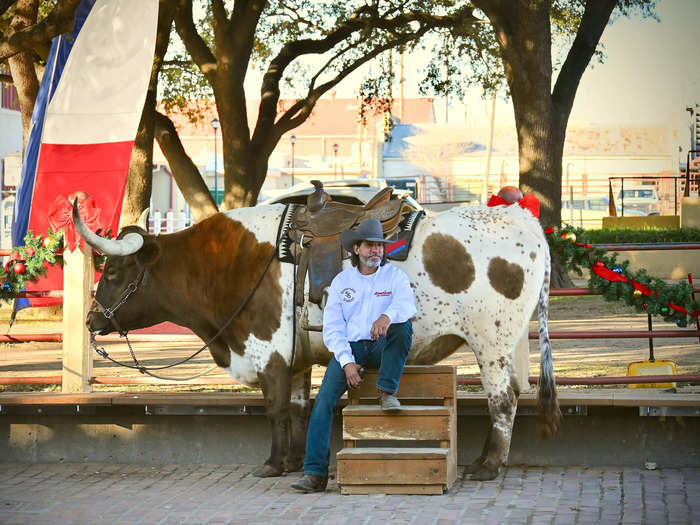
[(184, 171), (300, 111), (7, 79), (365, 17), (5, 5), (37, 37), (195, 44), (595, 19)]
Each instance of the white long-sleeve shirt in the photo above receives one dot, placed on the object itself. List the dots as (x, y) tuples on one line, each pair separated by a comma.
[(355, 302)]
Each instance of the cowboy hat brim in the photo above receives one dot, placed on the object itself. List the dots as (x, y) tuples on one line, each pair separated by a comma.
[(350, 237)]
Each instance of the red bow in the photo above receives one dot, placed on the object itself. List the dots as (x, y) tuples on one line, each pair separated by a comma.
[(61, 217), (529, 202)]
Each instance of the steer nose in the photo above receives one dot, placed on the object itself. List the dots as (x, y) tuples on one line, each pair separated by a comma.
[(95, 321)]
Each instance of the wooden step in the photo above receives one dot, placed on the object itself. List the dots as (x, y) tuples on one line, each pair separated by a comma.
[(393, 470), (417, 382), (412, 422)]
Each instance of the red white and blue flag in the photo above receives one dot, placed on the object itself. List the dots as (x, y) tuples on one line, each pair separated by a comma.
[(85, 118)]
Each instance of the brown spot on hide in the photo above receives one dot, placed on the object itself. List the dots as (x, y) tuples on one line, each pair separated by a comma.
[(447, 262), (219, 262), (533, 255), (506, 278)]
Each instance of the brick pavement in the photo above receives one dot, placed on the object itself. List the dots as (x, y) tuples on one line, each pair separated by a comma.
[(216, 494)]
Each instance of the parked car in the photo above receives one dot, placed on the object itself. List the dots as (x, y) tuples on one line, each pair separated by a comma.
[(639, 197), (588, 213), (348, 191)]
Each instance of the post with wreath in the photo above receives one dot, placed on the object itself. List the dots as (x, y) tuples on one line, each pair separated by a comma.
[(78, 280)]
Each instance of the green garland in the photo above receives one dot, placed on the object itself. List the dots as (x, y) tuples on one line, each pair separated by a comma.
[(575, 253), (29, 262)]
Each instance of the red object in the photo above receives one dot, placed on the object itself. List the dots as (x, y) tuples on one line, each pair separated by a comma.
[(549, 230), (29, 251), (641, 288), (100, 170), (19, 268), (61, 217), (529, 202)]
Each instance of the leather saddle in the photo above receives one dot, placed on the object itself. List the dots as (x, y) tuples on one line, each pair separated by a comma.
[(316, 230)]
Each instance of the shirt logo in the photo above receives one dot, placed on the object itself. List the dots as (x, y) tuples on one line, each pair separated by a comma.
[(348, 295), (382, 294)]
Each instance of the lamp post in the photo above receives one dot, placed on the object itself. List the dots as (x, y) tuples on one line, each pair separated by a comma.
[(215, 125), (335, 160), (293, 140)]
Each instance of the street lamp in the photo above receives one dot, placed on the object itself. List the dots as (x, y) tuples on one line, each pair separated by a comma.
[(293, 140), (335, 160), (215, 125)]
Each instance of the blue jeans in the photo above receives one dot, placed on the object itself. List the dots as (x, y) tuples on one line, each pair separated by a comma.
[(389, 354)]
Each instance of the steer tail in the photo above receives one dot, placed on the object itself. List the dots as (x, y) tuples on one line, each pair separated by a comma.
[(547, 404)]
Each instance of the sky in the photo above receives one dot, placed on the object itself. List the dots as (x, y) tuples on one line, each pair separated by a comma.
[(650, 75)]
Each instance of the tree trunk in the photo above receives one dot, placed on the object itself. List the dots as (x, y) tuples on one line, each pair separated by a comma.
[(139, 183), (22, 67), (185, 172), (249, 176), (524, 37)]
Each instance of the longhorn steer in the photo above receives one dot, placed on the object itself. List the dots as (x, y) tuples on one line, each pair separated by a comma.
[(477, 273)]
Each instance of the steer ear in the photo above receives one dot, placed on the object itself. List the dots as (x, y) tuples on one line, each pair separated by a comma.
[(149, 252)]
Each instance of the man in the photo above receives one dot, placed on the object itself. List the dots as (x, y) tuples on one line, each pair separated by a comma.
[(366, 323)]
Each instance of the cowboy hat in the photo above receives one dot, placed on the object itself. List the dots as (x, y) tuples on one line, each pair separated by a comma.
[(368, 230)]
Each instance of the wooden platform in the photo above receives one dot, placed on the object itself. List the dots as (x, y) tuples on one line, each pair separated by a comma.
[(618, 397), (428, 414)]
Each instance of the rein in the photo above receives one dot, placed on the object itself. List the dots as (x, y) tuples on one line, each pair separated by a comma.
[(131, 288)]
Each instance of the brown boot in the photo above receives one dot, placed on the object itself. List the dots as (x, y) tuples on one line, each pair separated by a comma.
[(311, 483)]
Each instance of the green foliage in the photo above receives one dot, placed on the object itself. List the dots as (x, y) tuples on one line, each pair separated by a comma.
[(646, 235), (37, 253), (579, 254)]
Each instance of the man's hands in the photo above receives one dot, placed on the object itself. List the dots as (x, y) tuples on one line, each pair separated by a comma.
[(352, 375), (380, 327)]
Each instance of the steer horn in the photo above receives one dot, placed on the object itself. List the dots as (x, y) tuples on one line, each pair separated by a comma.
[(143, 219), (131, 243)]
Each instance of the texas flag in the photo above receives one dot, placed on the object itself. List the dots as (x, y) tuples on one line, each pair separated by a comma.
[(85, 119)]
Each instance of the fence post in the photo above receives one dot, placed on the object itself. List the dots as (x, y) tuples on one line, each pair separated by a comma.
[(78, 279)]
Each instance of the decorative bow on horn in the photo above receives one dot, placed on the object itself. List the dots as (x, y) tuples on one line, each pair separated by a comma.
[(529, 202), (60, 217)]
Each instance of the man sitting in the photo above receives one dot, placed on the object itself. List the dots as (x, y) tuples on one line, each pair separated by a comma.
[(366, 323)]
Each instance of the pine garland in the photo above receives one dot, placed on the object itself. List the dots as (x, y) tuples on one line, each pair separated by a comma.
[(29, 262), (616, 282)]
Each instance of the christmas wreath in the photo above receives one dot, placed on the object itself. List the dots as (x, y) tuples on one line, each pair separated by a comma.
[(615, 281), (29, 262)]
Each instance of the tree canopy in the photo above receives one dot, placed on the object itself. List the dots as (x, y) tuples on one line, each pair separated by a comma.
[(207, 48)]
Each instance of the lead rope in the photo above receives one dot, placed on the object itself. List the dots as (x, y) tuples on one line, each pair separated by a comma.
[(147, 370)]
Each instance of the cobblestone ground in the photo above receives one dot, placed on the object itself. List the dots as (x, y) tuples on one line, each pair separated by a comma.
[(212, 494)]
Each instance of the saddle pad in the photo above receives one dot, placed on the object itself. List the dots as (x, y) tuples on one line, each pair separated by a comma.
[(398, 249), (284, 242)]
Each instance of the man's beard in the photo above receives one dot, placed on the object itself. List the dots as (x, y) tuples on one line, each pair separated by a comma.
[(371, 262)]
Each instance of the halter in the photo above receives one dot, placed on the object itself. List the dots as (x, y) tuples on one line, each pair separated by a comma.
[(132, 287)]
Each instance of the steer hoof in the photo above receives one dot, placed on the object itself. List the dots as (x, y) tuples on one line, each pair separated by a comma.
[(267, 471), (483, 473), (474, 466), (293, 465)]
